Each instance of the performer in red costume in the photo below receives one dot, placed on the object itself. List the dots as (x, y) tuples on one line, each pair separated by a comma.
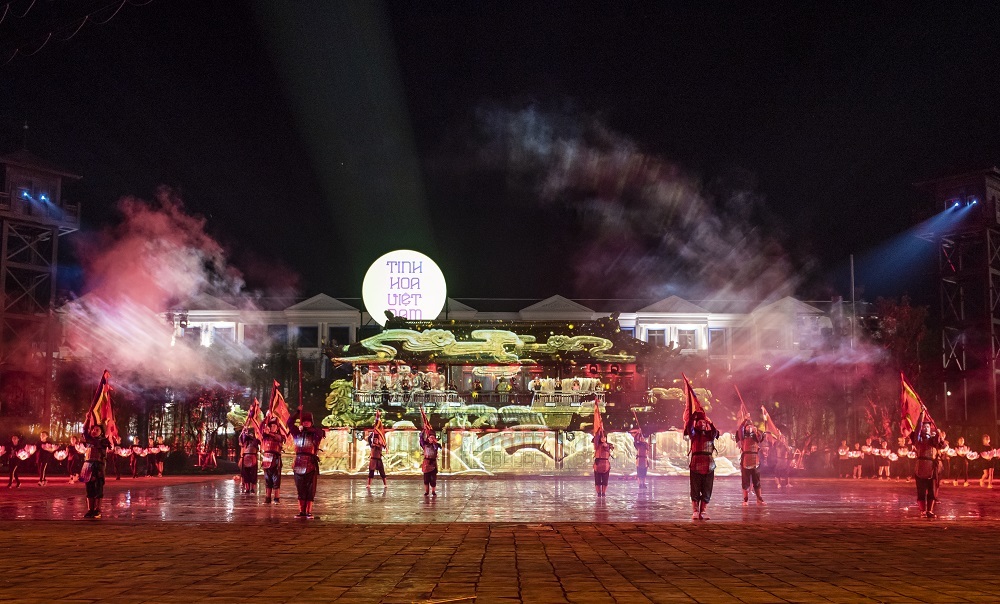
[(926, 443), (702, 433), (272, 441), (748, 437), (307, 439)]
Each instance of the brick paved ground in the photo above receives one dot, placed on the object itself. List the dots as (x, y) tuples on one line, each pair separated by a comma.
[(240, 550)]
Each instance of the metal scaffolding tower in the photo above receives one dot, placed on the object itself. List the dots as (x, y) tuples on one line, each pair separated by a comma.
[(969, 270), (33, 216)]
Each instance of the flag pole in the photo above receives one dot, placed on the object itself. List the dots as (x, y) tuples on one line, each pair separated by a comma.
[(300, 384)]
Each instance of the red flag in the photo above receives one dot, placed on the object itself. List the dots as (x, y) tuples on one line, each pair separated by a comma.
[(277, 408), (910, 409), (100, 412), (743, 413), (378, 428), (427, 422), (253, 421), (598, 421), (691, 404), (773, 432)]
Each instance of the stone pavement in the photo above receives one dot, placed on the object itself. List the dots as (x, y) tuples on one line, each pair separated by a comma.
[(193, 540)]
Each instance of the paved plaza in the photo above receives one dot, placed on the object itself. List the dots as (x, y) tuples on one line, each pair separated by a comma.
[(186, 539)]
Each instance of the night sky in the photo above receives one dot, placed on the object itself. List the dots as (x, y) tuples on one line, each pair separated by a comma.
[(314, 136)]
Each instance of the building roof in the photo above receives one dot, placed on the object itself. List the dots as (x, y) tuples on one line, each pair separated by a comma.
[(27, 159), (556, 305), (674, 304), (321, 302), (789, 305)]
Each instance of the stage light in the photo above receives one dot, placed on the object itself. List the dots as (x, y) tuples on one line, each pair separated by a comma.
[(44, 197)]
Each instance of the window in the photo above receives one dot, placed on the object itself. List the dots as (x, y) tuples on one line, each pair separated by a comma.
[(224, 334), (278, 334), (743, 341), (656, 337), (629, 331), (253, 335), (717, 341), (307, 337), (339, 336), (770, 339), (685, 339)]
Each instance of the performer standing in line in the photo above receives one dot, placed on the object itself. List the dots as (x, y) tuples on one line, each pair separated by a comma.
[(702, 464), (97, 453), (43, 457), (903, 468), (944, 471), (73, 459), (856, 455), (960, 465), (602, 462), (249, 446), (783, 463), (151, 451), (307, 439), (376, 442), (161, 455), (748, 438), (429, 466), (844, 460), (926, 443), (133, 460), (882, 460), (602, 453), (14, 462), (272, 443), (986, 455), (641, 457), (869, 452)]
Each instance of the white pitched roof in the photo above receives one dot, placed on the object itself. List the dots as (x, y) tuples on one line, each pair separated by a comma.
[(788, 305), (207, 302), (321, 302), (556, 307), (674, 304)]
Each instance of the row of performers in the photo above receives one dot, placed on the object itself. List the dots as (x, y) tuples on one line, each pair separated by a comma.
[(929, 448), (46, 453), (299, 427), (262, 450), (875, 458)]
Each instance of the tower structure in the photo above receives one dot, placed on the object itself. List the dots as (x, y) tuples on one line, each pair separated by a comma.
[(33, 215), (969, 272)]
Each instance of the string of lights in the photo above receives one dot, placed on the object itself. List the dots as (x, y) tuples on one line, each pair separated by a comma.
[(61, 28)]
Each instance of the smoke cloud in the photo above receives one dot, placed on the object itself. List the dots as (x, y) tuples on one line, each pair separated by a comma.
[(648, 229), (158, 257)]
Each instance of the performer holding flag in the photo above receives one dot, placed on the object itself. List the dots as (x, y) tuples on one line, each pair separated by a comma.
[(917, 424), (748, 438), (602, 453), (782, 452), (250, 441), (702, 433), (100, 433), (275, 435), (376, 441), (306, 439), (641, 452), (430, 446)]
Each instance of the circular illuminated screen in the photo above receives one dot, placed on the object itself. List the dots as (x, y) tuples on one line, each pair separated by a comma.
[(406, 283)]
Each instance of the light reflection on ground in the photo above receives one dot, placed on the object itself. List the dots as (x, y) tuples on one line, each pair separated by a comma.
[(516, 500)]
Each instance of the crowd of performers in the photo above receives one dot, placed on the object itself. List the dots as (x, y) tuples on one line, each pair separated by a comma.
[(46, 455), (961, 464)]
